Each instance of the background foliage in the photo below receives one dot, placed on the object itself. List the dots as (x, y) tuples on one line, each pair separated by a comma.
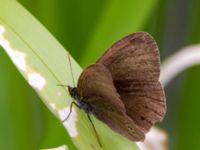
[(86, 29)]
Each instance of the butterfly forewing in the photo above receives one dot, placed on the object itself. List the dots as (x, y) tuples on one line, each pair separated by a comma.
[(134, 63), (96, 87), (96, 80)]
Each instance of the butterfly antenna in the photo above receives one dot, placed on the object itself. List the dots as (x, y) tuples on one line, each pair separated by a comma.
[(72, 103), (70, 65), (97, 136)]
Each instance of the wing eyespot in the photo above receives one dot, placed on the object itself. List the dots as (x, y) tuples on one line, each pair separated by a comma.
[(142, 118), (130, 128), (111, 109)]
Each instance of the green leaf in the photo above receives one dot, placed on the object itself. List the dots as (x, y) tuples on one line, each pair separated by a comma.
[(117, 20), (44, 63), (188, 112)]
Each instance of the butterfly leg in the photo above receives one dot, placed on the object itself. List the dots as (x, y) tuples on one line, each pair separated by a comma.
[(70, 111), (97, 136)]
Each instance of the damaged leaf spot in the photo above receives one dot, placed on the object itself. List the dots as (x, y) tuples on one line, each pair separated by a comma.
[(18, 58), (70, 123), (36, 80)]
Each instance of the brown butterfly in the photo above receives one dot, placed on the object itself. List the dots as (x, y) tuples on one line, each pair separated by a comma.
[(122, 88)]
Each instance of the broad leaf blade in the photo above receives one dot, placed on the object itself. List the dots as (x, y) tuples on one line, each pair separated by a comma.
[(44, 63)]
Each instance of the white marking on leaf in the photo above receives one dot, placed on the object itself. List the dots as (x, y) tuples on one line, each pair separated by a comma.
[(36, 80), (18, 58), (70, 123), (59, 93), (53, 105)]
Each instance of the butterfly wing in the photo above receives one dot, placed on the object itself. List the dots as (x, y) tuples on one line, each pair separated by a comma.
[(134, 63), (96, 87), (117, 120), (96, 80)]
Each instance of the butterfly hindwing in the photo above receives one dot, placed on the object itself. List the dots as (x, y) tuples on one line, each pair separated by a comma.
[(134, 57), (134, 63), (144, 102), (117, 120)]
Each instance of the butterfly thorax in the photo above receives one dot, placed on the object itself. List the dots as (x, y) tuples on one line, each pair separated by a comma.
[(88, 107)]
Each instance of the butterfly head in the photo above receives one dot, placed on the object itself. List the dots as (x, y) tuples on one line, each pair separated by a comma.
[(73, 92)]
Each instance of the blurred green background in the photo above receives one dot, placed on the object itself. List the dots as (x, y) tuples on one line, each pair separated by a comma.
[(86, 28)]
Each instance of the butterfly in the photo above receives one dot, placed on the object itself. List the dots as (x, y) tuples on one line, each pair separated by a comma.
[(122, 88)]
